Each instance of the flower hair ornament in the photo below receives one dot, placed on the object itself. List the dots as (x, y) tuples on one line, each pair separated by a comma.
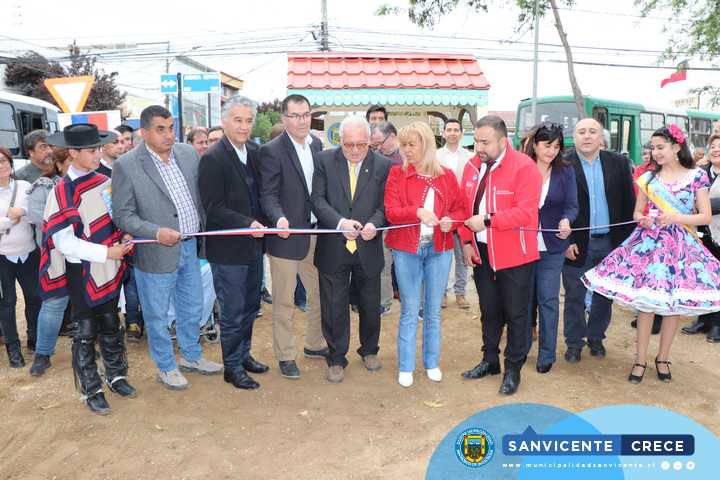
[(676, 133)]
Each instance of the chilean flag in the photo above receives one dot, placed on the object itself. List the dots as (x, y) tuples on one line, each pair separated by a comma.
[(678, 76)]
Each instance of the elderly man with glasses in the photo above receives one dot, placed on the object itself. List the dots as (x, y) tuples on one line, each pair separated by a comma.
[(348, 194)]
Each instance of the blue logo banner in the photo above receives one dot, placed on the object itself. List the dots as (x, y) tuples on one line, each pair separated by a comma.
[(535, 441)]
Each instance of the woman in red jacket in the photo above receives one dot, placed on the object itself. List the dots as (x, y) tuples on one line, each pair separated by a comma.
[(420, 190)]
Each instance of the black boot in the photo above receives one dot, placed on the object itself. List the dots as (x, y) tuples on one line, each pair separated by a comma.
[(87, 379), (15, 356), (112, 346)]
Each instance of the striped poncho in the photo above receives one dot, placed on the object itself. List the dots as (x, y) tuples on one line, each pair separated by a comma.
[(82, 204)]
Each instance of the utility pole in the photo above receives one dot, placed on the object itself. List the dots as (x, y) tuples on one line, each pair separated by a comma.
[(324, 43), (535, 63)]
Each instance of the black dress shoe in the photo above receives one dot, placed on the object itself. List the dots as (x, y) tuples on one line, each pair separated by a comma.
[(253, 366), (40, 364), (289, 369), (511, 382), (322, 353), (265, 296), (697, 326), (573, 355), (597, 349), (240, 379), (482, 369), (635, 379), (121, 386), (98, 404), (663, 377), (713, 336), (543, 367)]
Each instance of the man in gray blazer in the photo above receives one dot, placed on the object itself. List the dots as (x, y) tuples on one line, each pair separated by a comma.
[(155, 196)]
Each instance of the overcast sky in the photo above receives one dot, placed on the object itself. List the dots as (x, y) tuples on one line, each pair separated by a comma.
[(223, 32)]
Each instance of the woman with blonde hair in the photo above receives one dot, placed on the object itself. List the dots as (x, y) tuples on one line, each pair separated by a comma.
[(426, 195)]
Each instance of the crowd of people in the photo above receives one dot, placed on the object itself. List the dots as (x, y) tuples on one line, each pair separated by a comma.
[(96, 213)]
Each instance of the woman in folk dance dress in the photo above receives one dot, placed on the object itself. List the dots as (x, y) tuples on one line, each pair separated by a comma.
[(663, 266)]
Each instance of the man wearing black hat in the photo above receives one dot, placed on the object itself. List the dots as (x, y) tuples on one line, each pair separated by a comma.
[(89, 269)]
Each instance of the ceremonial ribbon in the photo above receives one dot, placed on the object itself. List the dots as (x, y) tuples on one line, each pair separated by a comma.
[(323, 231)]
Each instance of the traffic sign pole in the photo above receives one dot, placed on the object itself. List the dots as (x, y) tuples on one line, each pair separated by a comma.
[(180, 108)]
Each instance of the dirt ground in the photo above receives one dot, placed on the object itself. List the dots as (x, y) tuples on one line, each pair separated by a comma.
[(365, 428)]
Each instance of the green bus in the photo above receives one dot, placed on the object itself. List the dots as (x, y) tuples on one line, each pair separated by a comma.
[(630, 124)]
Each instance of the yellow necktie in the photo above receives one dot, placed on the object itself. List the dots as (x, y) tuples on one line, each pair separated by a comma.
[(350, 244)]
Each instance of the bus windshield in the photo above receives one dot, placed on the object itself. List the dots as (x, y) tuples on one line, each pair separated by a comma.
[(562, 113)]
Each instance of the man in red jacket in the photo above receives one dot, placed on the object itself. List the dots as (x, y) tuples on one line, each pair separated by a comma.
[(502, 187)]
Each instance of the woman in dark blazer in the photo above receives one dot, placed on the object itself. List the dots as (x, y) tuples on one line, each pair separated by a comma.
[(558, 209)]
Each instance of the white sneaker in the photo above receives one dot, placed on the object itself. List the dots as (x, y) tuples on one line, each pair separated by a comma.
[(405, 379), (173, 380), (202, 366), (434, 374)]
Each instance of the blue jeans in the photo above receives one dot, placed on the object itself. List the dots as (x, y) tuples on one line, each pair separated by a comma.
[(238, 289), (208, 295), (50, 319), (545, 289), (156, 291), (430, 268), (577, 327)]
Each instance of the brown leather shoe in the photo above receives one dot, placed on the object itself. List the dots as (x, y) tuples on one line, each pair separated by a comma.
[(336, 374), (461, 301), (372, 363), (444, 303)]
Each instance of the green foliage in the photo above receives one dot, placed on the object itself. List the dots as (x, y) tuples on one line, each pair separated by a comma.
[(426, 13), (696, 32), (696, 29), (264, 123)]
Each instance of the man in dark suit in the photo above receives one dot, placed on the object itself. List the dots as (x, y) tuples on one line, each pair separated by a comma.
[(348, 194), (605, 196), (286, 168), (228, 182)]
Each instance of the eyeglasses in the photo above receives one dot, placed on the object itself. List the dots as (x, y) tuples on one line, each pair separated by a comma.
[(355, 146), (377, 145), (298, 116)]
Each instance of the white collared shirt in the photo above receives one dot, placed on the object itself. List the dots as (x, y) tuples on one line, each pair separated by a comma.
[(75, 249), (482, 208), (108, 165), (241, 153), (304, 153)]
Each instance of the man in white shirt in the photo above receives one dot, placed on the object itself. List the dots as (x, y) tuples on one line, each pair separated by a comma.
[(286, 166), (454, 157)]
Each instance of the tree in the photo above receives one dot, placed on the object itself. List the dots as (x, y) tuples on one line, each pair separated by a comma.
[(268, 115), (28, 72), (426, 12), (697, 35)]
